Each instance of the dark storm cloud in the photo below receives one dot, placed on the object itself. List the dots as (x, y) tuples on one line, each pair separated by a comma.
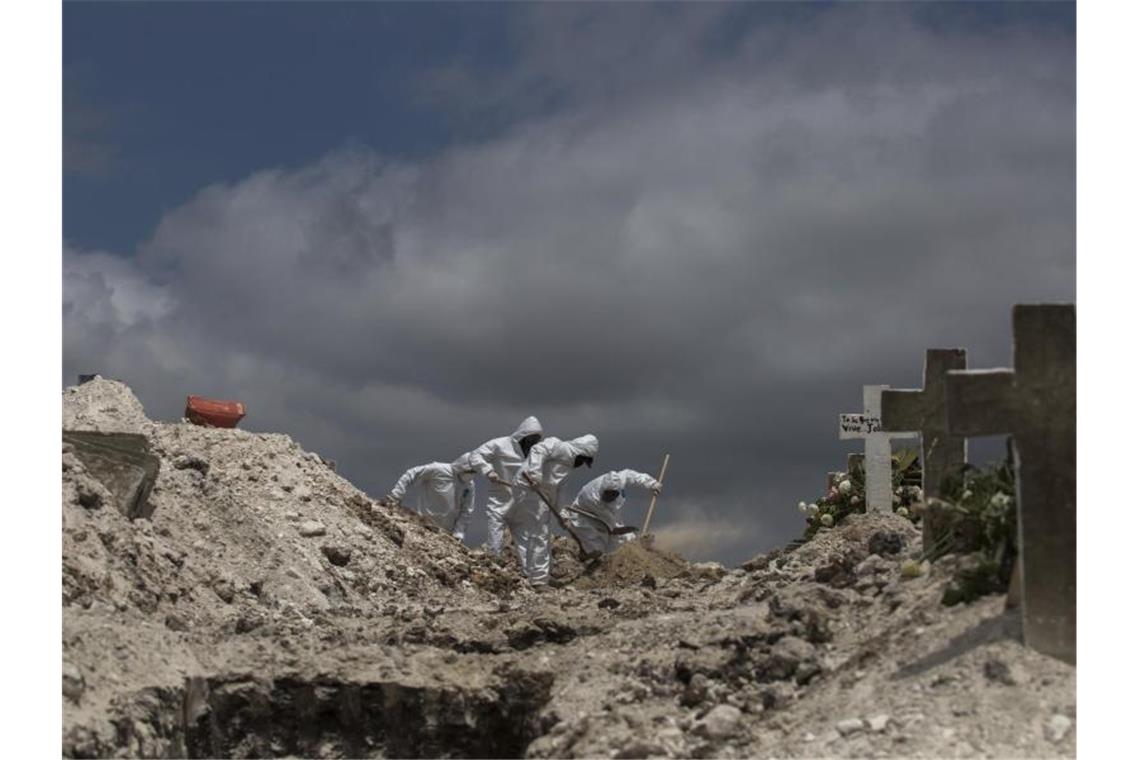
[(723, 229)]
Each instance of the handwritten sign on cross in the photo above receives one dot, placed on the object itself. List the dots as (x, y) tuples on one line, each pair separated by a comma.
[(876, 447), (1037, 403), (925, 411)]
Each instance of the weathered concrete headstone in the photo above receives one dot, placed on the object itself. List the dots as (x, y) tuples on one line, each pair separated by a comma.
[(876, 447), (924, 410), (122, 462), (1037, 403)]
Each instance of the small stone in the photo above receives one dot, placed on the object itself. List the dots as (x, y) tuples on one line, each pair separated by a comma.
[(721, 722), (878, 723), (996, 670), (176, 622), (849, 726), (337, 555), (1057, 727), (189, 462), (885, 542), (311, 528), (90, 494), (225, 590), (73, 683)]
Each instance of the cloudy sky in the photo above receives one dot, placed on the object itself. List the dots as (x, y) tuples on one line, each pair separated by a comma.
[(394, 231)]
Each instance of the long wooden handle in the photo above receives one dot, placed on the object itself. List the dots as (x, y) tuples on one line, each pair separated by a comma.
[(653, 501), (554, 511)]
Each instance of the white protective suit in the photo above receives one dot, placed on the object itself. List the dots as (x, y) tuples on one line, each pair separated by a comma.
[(443, 492), (504, 457), (550, 461), (592, 534)]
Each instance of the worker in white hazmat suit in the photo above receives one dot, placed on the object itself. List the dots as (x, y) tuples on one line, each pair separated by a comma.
[(547, 466), (444, 493), (593, 515), (499, 460)]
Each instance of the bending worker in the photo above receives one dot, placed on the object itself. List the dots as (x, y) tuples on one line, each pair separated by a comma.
[(594, 513), (499, 460), (547, 466), (444, 493)]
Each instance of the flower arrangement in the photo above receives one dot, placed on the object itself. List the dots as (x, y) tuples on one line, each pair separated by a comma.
[(847, 496)]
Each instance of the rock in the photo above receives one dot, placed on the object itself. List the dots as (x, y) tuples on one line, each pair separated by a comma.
[(225, 590), (849, 726), (793, 648), (336, 554), (73, 683), (176, 622), (190, 462), (721, 722), (870, 566), (311, 528), (91, 494), (885, 542), (996, 670), (696, 692), (878, 723), (1057, 727), (776, 696)]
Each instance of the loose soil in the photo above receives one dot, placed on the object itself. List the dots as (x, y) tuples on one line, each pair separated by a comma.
[(270, 608)]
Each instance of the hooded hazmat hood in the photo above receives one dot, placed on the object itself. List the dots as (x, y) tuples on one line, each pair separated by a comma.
[(584, 446), (529, 426)]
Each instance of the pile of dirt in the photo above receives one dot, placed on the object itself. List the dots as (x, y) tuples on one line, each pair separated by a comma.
[(270, 608), (634, 562)]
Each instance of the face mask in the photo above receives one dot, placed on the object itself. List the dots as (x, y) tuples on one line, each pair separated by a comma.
[(528, 442)]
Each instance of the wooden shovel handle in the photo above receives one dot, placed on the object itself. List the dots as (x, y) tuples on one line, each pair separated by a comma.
[(653, 501), (554, 511)]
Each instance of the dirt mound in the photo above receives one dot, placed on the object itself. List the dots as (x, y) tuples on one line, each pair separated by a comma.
[(104, 405), (633, 563), (271, 608)]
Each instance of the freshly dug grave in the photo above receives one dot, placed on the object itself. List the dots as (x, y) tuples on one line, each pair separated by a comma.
[(269, 608)]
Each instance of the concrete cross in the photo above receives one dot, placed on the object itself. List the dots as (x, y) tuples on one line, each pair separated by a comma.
[(876, 447), (1037, 403), (925, 411)]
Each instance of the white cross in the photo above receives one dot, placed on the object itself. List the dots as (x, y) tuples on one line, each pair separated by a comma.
[(876, 447)]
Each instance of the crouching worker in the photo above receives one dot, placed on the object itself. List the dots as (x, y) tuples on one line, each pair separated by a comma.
[(441, 492), (548, 464), (594, 513)]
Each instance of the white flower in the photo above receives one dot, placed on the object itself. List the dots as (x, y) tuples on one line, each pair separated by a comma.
[(854, 500), (845, 487), (803, 507), (813, 509), (999, 499), (917, 493), (899, 490), (896, 499), (967, 494), (826, 520), (903, 512)]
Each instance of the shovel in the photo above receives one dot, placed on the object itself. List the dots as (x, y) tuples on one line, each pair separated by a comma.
[(653, 501), (557, 516)]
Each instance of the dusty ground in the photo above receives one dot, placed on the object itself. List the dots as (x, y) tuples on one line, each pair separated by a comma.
[(271, 609)]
